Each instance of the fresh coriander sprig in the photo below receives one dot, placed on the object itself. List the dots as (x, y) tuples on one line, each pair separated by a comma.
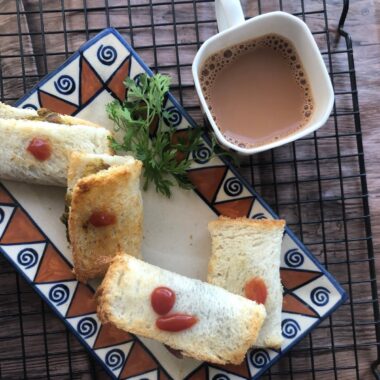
[(141, 112)]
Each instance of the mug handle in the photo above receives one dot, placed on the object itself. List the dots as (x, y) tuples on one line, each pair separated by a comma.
[(229, 13)]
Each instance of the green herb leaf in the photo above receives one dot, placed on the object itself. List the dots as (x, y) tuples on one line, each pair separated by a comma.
[(140, 113)]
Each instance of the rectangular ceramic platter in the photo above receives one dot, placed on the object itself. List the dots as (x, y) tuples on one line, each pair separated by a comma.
[(33, 239)]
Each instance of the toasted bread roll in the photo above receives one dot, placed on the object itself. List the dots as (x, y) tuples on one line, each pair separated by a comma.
[(20, 163), (243, 250), (105, 216), (227, 324)]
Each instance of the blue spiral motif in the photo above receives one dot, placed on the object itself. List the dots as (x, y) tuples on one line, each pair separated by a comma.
[(293, 258), (137, 79), (115, 359), (27, 258), (2, 215), (202, 155), (29, 106), (65, 85), (233, 187), (290, 328), (220, 376), (59, 294), (175, 117), (320, 296), (87, 327), (259, 215), (259, 358), (106, 54)]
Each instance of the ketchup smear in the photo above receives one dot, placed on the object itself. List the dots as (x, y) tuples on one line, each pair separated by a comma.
[(162, 300), (102, 218), (40, 148), (176, 322), (256, 290)]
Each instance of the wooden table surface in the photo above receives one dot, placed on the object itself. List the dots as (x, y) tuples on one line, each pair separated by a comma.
[(65, 355), (364, 25)]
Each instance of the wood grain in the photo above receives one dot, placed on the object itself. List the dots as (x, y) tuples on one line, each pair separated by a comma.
[(319, 194)]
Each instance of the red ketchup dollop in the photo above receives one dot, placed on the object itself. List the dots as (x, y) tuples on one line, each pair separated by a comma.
[(176, 322), (162, 300), (102, 218), (40, 148), (256, 290)]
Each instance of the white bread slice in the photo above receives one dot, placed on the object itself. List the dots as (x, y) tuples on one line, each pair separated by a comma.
[(19, 165), (9, 112), (43, 114), (227, 323), (117, 191), (242, 249)]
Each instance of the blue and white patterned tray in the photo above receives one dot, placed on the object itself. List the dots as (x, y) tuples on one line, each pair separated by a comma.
[(176, 237)]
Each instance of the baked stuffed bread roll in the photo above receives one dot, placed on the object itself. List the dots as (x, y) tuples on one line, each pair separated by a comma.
[(36, 149), (105, 211), (246, 260), (201, 320)]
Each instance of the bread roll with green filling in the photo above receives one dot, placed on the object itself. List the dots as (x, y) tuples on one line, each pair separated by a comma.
[(244, 249), (227, 324)]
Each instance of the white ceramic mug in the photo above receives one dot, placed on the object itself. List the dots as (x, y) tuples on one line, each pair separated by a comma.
[(233, 29)]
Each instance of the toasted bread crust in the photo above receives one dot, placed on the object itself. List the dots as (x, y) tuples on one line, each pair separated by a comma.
[(115, 190), (265, 224)]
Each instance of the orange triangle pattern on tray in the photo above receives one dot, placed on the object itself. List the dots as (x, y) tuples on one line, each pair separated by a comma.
[(100, 66)]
